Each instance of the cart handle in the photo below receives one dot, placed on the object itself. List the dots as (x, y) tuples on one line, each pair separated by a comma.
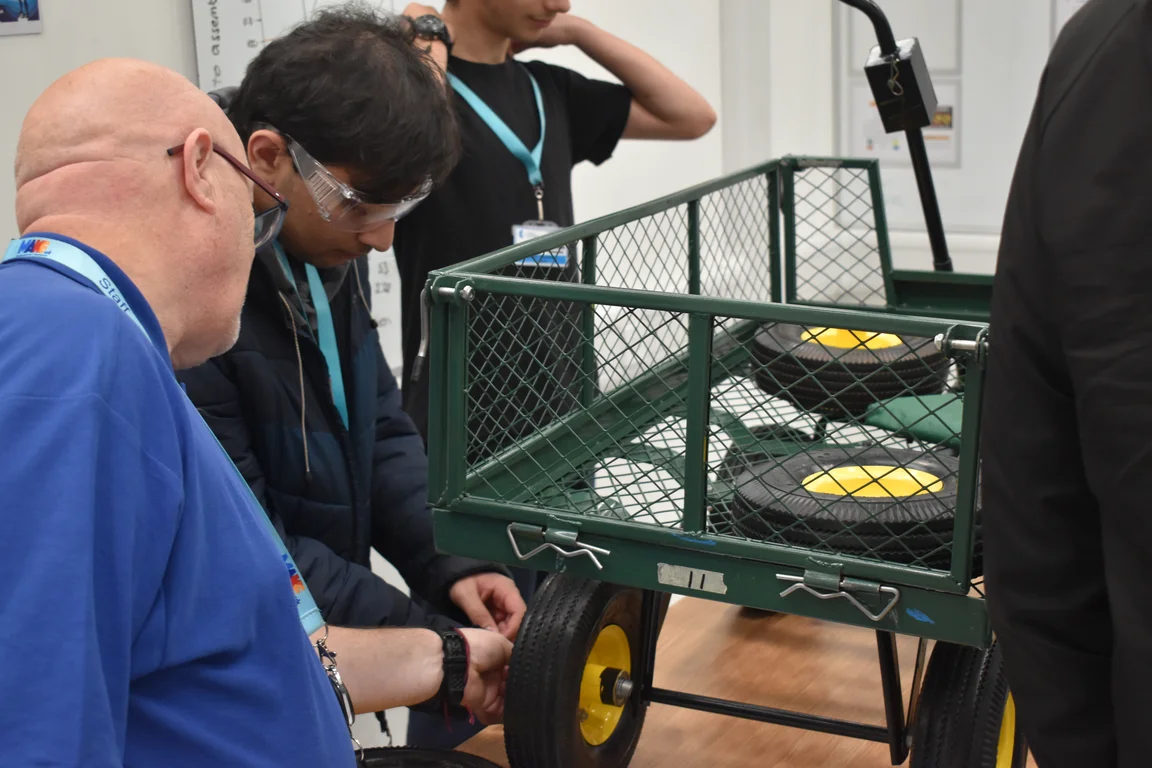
[(880, 23), (929, 204)]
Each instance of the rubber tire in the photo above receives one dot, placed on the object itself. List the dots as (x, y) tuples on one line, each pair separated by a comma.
[(784, 340), (770, 501), (844, 383), (773, 490), (409, 757), (960, 709), (542, 696)]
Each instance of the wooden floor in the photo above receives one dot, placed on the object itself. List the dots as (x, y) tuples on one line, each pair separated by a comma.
[(787, 662)]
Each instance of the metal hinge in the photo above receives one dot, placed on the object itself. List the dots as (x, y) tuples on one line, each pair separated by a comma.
[(977, 349)]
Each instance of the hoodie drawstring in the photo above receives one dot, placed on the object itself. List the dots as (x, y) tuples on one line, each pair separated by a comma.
[(303, 397), (364, 301), (300, 365)]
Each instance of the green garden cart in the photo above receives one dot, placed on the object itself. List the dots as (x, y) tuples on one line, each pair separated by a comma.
[(727, 393)]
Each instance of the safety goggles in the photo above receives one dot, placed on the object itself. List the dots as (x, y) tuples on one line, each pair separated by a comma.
[(339, 204), (268, 222)]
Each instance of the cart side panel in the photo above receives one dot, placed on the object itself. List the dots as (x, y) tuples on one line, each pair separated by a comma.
[(836, 249)]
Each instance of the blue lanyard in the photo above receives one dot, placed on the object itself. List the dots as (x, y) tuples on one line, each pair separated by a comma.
[(42, 249), (327, 329), (48, 250), (531, 160)]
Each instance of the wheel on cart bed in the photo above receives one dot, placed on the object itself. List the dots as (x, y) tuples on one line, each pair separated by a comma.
[(410, 757), (841, 372), (887, 503), (965, 716), (569, 699)]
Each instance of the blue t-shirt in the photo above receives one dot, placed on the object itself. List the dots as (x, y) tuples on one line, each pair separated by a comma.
[(146, 617)]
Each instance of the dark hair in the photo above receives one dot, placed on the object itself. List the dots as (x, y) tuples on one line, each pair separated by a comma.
[(352, 90)]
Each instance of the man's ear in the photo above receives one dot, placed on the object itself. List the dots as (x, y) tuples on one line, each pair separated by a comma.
[(268, 157), (196, 156)]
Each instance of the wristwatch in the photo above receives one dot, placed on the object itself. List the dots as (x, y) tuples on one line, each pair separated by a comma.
[(432, 27), (455, 667)]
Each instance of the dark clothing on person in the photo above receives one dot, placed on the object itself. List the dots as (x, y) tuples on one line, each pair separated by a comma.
[(334, 493), (1067, 420)]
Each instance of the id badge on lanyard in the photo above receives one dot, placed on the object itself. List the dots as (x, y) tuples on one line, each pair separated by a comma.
[(533, 229), (527, 230)]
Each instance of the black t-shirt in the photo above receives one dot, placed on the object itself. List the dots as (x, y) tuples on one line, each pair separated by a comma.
[(473, 212)]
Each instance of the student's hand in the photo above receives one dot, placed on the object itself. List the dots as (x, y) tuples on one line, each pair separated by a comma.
[(565, 29), (436, 49), (492, 601), (488, 657)]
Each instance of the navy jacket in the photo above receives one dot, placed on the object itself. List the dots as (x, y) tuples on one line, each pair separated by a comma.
[(333, 493)]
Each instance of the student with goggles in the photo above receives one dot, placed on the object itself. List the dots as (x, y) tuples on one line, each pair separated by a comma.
[(305, 403)]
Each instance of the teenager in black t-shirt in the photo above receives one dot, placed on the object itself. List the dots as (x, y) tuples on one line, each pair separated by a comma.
[(491, 189), (504, 179)]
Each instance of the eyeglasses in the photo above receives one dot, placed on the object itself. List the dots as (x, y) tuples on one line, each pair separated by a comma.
[(339, 204), (268, 222)]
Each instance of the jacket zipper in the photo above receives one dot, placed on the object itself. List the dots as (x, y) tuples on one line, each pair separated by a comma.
[(329, 406)]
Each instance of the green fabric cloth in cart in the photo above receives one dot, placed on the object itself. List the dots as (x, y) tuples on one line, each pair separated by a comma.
[(929, 418)]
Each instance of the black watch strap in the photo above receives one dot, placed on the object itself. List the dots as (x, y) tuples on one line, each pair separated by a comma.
[(455, 667), (430, 27)]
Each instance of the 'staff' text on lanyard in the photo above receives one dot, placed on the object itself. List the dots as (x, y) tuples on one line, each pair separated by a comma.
[(39, 249)]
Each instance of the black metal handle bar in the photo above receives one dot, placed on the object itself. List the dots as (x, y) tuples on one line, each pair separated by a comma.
[(941, 261)]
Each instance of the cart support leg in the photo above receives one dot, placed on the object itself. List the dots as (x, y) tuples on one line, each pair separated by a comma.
[(650, 621), (893, 696)]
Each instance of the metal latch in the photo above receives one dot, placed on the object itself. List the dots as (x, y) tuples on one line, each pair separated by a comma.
[(461, 293), (554, 540), (840, 587)]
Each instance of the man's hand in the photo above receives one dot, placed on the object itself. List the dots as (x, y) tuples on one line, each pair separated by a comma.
[(565, 29), (488, 657), (435, 48), (491, 601)]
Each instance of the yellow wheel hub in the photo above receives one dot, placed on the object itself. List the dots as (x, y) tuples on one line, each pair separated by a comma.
[(598, 720), (841, 338), (873, 482), (1006, 747)]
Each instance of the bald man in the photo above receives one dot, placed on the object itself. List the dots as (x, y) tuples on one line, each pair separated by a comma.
[(151, 615)]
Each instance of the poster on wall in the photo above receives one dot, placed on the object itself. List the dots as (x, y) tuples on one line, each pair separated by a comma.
[(942, 138), (20, 17)]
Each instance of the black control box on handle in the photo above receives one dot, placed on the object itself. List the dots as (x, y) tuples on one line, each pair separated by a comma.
[(902, 89)]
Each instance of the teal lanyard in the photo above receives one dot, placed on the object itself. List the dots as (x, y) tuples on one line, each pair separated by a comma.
[(45, 249), (531, 160), (327, 329)]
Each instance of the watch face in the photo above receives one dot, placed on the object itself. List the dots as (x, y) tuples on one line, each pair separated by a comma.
[(430, 27)]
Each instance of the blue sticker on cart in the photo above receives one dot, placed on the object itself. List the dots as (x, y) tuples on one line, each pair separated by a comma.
[(919, 615)]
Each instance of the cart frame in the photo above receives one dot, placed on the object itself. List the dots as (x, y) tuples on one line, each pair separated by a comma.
[(486, 507)]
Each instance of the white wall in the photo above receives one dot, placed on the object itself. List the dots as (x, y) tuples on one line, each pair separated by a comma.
[(76, 32), (746, 78), (799, 38), (685, 36)]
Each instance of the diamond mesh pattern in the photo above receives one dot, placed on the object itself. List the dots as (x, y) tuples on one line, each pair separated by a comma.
[(784, 407), (584, 408), (735, 242), (837, 250), (809, 415)]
